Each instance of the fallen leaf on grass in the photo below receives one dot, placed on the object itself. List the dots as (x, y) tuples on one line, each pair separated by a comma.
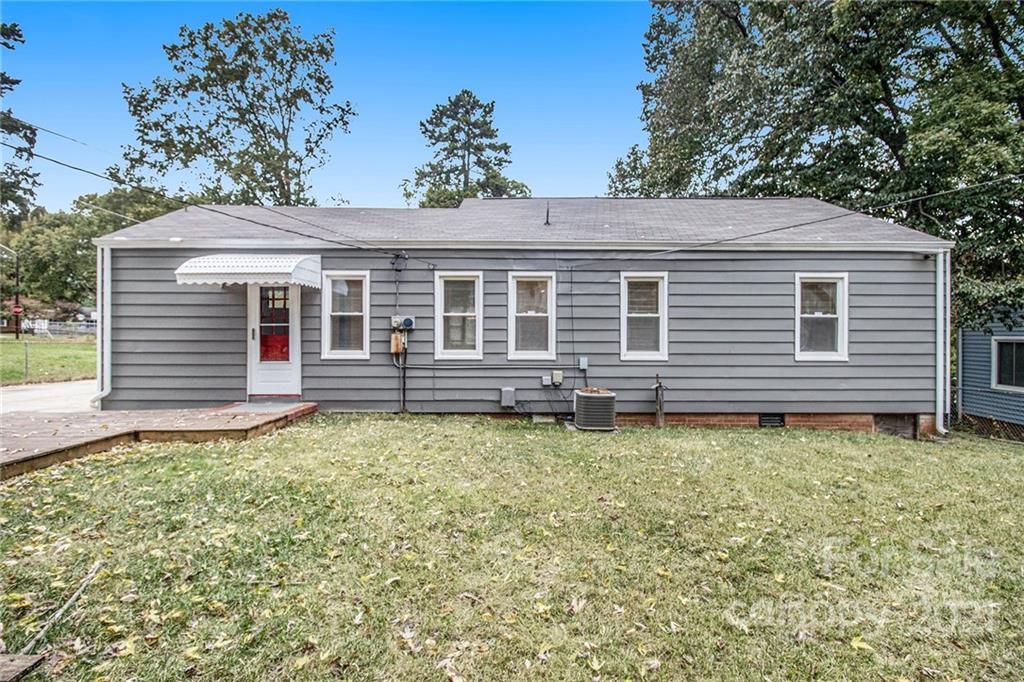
[(858, 643), (125, 647)]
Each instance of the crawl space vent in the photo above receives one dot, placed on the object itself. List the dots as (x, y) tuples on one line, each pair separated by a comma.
[(771, 420)]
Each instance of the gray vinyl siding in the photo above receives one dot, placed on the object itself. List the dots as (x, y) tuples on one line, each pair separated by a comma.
[(731, 336), (979, 398)]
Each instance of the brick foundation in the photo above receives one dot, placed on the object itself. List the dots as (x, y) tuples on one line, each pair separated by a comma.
[(926, 425), (840, 422), (864, 423), (726, 420)]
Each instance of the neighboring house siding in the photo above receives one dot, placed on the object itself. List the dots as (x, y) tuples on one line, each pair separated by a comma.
[(731, 336), (979, 398)]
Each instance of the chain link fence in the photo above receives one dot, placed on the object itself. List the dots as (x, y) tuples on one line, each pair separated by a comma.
[(56, 329)]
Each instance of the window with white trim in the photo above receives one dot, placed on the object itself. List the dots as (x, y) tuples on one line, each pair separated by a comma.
[(531, 316), (821, 316), (458, 315), (643, 312), (345, 315), (1008, 364)]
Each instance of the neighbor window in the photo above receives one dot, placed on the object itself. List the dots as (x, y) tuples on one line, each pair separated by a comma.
[(643, 301), (458, 315), (821, 316), (1008, 364), (345, 315), (531, 316)]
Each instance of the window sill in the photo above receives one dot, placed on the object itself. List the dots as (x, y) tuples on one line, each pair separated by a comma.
[(455, 355), (345, 355), (643, 357), (532, 356), (821, 357), (1003, 388)]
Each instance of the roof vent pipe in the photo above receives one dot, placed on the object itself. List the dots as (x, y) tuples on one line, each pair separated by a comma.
[(547, 213)]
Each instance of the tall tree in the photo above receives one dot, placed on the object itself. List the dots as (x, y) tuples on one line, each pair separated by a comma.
[(18, 181), (248, 108), (468, 158), (855, 102), (58, 257)]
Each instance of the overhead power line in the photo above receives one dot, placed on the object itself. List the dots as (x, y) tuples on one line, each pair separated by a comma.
[(227, 214), (791, 226), (370, 246), (107, 210)]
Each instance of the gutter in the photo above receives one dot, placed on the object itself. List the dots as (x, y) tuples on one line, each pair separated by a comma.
[(103, 326), (932, 246)]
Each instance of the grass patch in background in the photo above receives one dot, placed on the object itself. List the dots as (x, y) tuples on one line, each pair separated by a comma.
[(386, 547), (48, 359)]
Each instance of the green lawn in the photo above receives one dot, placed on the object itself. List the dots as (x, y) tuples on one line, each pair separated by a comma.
[(423, 548), (48, 359)]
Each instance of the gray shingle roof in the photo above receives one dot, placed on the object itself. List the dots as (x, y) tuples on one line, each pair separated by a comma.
[(581, 220)]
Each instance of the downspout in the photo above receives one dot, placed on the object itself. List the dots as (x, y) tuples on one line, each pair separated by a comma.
[(959, 375), (103, 325), (949, 332), (940, 334)]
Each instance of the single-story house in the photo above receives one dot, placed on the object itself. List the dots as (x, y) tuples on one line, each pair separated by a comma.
[(990, 379), (748, 311)]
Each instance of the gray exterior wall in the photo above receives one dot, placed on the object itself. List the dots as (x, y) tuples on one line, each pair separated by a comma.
[(731, 336), (976, 392)]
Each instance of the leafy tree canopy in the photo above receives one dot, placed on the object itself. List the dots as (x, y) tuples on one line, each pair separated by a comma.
[(58, 259), (248, 110), (18, 181), (855, 102), (468, 158)]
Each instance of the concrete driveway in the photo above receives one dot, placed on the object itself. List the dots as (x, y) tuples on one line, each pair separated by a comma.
[(65, 396)]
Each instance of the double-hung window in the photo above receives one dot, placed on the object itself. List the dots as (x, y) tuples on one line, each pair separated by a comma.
[(531, 316), (643, 313), (1008, 363), (822, 312), (458, 315), (345, 315)]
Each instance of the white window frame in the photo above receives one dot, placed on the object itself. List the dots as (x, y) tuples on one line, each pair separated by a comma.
[(994, 361), (532, 276), (842, 280), (660, 355), (439, 278), (326, 353)]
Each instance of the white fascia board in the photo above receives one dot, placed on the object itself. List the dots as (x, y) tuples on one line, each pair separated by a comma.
[(578, 245)]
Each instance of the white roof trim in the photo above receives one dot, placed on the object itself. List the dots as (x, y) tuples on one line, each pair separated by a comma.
[(930, 246), (251, 268)]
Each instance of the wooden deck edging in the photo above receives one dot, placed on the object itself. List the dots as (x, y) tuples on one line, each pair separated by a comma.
[(16, 666), (129, 435)]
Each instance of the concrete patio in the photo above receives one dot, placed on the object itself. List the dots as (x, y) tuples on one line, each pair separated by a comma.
[(62, 396), (34, 440)]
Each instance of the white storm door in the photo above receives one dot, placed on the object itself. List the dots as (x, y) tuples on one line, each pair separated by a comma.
[(275, 358)]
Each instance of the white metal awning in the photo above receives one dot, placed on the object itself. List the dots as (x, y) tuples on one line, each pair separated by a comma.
[(251, 268)]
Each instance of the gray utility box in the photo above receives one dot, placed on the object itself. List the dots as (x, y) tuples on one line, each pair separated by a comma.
[(508, 397), (595, 411)]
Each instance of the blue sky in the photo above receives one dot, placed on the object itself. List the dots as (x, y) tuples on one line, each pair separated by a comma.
[(563, 75)]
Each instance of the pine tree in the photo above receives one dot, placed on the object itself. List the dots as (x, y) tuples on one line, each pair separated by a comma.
[(468, 158)]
